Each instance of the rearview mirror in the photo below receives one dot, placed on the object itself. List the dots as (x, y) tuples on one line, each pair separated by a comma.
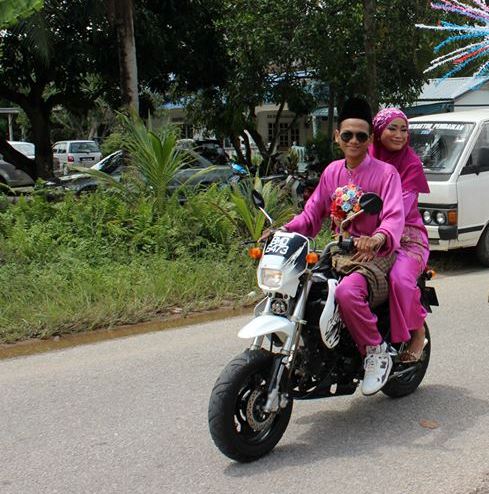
[(371, 203), (258, 200)]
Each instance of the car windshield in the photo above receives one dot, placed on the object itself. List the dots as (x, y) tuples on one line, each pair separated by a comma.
[(439, 144), (26, 148), (195, 160), (83, 147), (110, 163)]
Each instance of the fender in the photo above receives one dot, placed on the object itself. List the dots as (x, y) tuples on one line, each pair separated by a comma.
[(329, 306), (268, 324), (328, 323)]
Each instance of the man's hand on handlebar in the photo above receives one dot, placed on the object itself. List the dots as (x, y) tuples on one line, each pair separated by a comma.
[(269, 232), (367, 247)]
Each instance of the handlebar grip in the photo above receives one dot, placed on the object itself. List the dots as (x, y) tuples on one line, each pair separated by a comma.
[(347, 244)]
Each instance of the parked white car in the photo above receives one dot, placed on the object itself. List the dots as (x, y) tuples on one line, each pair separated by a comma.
[(76, 153), (24, 147), (454, 148)]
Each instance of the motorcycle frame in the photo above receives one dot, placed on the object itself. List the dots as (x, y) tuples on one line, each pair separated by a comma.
[(285, 358)]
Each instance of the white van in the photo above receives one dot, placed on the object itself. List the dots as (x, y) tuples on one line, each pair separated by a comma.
[(454, 148)]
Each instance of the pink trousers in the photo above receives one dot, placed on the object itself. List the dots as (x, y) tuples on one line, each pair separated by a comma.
[(352, 297), (406, 311)]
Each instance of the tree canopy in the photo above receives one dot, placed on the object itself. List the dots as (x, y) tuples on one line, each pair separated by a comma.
[(51, 58), (11, 11), (229, 55), (274, 48)]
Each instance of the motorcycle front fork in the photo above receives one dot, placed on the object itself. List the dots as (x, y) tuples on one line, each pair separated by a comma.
[(285, 360)]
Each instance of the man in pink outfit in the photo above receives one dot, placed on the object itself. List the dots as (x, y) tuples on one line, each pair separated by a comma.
[(376, 235)]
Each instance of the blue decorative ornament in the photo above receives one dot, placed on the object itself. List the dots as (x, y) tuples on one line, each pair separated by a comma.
[(458, 59)]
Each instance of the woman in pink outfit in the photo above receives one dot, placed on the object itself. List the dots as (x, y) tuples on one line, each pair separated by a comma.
[(391, 144)]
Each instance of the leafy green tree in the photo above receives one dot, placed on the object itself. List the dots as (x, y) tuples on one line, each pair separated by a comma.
[(402, 50), (39, 79), (263, 44), (355, 47), (46, 61), (11, 11)]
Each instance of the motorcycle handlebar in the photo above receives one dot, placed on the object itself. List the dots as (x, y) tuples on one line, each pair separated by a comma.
[(345, 244)]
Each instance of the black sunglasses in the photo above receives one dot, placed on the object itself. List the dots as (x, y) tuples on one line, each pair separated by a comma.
[(347, 136)]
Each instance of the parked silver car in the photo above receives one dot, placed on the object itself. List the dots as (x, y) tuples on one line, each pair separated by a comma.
[(76, 153)]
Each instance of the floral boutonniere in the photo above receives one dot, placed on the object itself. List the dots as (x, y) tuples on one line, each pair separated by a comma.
[(345, 202)]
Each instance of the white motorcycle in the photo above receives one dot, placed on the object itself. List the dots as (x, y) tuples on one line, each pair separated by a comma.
[(301, 349)]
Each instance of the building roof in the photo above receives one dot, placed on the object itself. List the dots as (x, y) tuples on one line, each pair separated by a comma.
[(322, 111), (455, 117), (450, 88), (9, 111)]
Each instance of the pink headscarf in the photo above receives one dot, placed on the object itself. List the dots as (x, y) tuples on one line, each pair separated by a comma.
[(406, 161)]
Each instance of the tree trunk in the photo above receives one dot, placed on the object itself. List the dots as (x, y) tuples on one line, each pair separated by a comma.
[(369, 31), (123, 17), (262, 148), (331, 98), (247, 144), (41, 133), (237, 147)]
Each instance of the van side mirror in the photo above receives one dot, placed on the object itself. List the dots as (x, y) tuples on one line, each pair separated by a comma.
[(478, 160), (482, 159)]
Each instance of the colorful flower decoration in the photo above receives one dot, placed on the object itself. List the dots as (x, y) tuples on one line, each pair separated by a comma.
[(345, 202), (470, 40)]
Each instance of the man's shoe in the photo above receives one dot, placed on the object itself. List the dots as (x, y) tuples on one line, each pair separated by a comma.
[(378, 365)]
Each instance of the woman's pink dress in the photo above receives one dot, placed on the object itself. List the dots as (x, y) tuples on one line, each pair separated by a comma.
[(406, 310)]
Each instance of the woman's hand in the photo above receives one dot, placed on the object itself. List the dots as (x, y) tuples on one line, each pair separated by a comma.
[(367, 247)]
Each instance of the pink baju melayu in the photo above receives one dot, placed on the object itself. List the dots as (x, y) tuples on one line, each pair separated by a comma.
[(371, 175), (406, 311)]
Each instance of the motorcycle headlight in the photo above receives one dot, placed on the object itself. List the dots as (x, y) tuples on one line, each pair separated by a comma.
[(271, 278), (279, 306), (426, 217), (440, 218)]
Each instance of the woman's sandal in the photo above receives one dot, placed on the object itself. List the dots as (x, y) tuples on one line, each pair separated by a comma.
[(409, 357)]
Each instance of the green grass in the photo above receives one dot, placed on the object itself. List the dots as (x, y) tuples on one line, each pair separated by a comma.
[(42, 301), (129, 252)]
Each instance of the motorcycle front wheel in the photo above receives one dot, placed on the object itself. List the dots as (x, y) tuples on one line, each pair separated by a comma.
[(238, 425), (409, 375)]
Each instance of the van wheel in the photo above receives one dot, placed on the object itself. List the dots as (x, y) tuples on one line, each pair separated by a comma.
[(482, 249)]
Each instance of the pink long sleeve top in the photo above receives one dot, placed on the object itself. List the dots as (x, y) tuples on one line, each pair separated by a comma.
[(371, 175)]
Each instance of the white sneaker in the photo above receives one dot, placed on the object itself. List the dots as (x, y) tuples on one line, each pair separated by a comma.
[(378, 365)]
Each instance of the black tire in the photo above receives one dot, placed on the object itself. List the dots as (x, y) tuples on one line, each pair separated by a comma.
[(245, 378), (482, 249), (414, 373)]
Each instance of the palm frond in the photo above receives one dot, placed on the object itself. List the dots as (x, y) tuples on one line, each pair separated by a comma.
[(154, 157)]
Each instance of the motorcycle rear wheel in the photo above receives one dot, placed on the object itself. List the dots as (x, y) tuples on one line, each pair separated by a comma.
[(237, 423), (408, 382)]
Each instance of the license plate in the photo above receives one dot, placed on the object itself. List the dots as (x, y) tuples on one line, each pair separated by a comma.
[(86, 159)]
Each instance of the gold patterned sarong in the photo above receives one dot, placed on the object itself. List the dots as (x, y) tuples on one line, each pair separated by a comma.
[(375, 271)]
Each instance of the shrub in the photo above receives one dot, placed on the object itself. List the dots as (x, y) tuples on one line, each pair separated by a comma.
[(113, 143)]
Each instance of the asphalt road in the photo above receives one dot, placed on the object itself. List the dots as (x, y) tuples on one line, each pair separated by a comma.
[(130, 416)]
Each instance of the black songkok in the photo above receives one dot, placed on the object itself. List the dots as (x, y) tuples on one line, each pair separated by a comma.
[(356, 108)]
